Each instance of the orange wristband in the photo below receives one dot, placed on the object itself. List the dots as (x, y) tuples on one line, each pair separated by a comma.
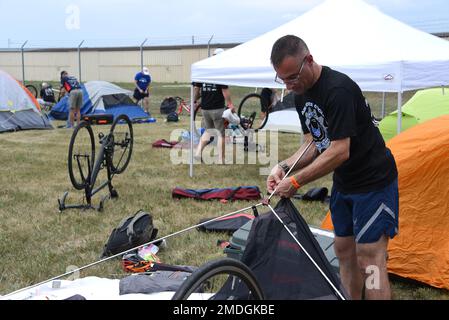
[(294, 182)]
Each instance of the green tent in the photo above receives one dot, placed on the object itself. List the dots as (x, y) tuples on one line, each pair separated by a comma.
[(424, 105)]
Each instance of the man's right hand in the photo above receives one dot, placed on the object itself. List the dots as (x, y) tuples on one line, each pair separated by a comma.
[(276, 176)]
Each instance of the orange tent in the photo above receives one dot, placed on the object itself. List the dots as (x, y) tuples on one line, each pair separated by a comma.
[(421, 249)]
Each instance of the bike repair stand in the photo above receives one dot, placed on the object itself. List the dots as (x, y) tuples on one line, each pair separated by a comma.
[(105, 153)]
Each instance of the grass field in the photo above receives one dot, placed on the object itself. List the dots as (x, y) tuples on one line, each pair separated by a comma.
[(37, 242)]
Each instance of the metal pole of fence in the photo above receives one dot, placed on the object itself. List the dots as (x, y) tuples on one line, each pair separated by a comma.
[(208, 46), (141, 53), (23, 61), (193, 40), (79, 60)]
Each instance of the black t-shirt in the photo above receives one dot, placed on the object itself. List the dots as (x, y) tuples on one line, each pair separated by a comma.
[(335, 108), (211, 95)]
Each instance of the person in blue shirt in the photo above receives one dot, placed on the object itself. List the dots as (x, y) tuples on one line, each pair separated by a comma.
[(142, 81), (70, 85)]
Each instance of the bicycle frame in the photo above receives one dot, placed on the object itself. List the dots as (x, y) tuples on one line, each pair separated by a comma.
[(78, 160), (104, 159)]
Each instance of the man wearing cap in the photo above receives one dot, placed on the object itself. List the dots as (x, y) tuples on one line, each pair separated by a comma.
[(215, 98), (142, 81)]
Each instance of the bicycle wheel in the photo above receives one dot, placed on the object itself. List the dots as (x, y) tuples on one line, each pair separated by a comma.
[(123, 139), (32, 89), (250, 108), (212, 276), (81, 155)]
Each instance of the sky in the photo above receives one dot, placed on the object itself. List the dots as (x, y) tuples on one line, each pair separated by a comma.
[(65, 23)]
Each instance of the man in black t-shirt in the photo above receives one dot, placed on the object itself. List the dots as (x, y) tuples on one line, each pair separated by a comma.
[(214, 99), (337, 124)]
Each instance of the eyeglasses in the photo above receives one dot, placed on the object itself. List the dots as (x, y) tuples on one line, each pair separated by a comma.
[(293, 79)]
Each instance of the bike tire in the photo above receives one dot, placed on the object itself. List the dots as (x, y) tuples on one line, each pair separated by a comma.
[(81, 149), (123, 144), (222, 266), (32, 89), (251, 107)]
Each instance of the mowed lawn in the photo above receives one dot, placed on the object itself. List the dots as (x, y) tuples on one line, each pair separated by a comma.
[(37, 242)]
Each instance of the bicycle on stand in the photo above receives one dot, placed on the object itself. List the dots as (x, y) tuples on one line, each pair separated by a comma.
[(84, 166)]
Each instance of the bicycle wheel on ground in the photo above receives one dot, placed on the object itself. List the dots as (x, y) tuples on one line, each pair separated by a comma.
[(32, 89), (206, 281), (123, 138), (250, 109), (81, 155)]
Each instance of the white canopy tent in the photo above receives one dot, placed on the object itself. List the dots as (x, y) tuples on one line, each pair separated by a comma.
[(378, 52)]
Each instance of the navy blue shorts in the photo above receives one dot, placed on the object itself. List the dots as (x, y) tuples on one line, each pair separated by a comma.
[(366, 216)]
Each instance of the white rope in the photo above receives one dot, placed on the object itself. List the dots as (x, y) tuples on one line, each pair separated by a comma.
[(135, 248), (291, 168)]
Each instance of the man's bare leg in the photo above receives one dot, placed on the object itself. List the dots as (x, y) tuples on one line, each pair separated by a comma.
[(351, 277)]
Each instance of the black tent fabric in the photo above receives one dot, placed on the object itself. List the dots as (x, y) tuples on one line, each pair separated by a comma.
[(228, 224), (281, 267)]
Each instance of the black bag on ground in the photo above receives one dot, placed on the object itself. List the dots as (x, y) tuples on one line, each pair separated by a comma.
[(168, 105), (172, 117), (131, 232)]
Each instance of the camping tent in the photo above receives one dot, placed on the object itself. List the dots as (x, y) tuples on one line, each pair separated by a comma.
[(421, 249), (101, 97), (380, 53), (424, 105), (19, 110)]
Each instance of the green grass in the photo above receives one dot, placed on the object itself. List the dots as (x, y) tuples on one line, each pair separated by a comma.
[(37, 242)]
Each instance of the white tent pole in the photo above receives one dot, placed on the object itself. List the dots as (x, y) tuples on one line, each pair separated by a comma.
[(399, 111), (282, 95), (192, 111), (383, 106)]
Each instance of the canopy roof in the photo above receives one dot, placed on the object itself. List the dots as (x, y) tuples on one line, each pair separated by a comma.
[(380, 53)]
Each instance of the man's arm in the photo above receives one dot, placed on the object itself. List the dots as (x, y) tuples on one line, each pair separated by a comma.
[(281, 169), (227, 95), (325, 163), (196, 93), (328, 161), (307, 158), (137, 86)]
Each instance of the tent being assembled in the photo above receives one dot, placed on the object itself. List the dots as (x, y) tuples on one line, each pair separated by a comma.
[(101, 97), (283, 268), (420, 251), (19, 110), (424, 105)]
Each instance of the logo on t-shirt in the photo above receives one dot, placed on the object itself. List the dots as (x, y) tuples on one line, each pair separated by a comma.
[(317, 125)]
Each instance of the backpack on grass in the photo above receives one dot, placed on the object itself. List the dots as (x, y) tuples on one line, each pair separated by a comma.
[(132, 231), (168, 105)]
